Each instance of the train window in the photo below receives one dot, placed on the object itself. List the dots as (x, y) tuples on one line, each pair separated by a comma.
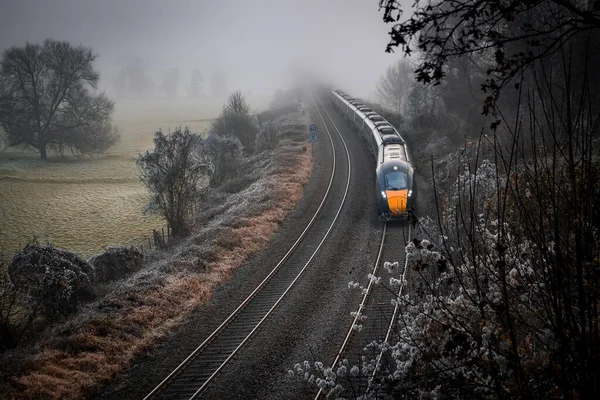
[(396, 180), (386, 131)]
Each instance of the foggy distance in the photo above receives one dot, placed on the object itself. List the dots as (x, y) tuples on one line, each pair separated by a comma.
[(259, 45)]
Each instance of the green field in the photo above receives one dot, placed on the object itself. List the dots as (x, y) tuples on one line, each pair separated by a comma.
[(86, 204)]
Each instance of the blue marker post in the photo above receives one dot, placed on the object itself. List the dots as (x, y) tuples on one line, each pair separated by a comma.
[(313, 135)]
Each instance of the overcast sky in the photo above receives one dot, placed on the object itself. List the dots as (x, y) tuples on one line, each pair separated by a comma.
[(255, 42)]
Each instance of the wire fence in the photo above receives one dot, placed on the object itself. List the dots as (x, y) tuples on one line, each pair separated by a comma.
[(159, 239)]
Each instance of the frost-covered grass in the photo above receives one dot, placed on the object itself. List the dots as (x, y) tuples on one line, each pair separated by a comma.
[(81, 204), (75, 358)]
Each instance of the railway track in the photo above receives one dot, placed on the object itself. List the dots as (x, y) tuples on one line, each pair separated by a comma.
[(377, 307), (203, 365)]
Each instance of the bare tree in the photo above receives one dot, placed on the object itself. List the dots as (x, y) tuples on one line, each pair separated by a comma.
[(46, 102), (266, 137), (133, 80), (393, 87), (170, 84), (196, 84), (237, 104), (172, 172), (222, 155), (236, 120), (219, 85)]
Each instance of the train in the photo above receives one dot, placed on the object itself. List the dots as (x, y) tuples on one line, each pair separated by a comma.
[(396, 188)]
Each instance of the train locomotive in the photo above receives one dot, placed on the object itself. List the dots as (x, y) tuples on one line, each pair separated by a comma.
[(395, 175)]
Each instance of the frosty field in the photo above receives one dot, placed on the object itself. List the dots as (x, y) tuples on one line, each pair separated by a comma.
[(85, 204)]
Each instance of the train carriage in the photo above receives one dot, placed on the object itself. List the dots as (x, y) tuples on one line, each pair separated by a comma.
[(395, 174)]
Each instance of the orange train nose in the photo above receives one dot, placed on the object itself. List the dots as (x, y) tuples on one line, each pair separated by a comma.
[(397, 201)]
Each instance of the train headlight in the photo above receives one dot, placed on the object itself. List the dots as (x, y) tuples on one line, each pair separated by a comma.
[(409, 192), (383, 194)]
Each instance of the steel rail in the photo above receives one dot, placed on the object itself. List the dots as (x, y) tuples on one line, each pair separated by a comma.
[(365, 296), (305, 265), (264, 283), (394, 317), (361, 306)]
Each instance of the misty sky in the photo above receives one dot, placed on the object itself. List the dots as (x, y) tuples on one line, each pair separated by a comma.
[(255, 42)]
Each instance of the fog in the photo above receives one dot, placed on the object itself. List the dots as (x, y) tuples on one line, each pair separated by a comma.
[(257, 46)]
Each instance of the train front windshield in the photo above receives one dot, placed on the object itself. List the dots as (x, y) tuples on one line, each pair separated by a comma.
[(396, 180)]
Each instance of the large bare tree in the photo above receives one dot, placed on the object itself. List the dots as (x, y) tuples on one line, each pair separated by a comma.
[(47, 99)]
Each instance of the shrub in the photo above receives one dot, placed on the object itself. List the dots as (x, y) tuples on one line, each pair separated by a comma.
[(236, 121), (50, 279), (116, 263), (266, 138), (222, 155), (172, 172), (8, 307)]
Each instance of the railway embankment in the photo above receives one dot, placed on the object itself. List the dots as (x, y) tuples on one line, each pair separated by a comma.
[(76, 357), (315, 312)]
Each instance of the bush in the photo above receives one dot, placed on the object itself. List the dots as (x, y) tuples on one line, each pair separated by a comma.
[(266, 139), (116, 263), (173, 172), (7, 309), (236, 121), (50, 279), (223, 156)]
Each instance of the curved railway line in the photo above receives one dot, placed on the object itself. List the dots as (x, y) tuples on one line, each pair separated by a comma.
[(199, 369)]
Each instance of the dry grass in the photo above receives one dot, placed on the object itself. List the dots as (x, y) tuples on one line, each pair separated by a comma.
[(82, 355), (93, 352)]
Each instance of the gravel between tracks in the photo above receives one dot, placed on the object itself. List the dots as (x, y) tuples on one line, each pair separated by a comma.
[(313, 319)]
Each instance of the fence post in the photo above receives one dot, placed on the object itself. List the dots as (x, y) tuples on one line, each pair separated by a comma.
[(163, 234)]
